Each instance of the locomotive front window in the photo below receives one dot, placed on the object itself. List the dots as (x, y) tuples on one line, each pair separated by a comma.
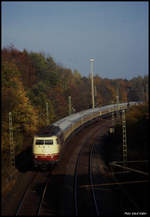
[(39, 142), (49, 142)]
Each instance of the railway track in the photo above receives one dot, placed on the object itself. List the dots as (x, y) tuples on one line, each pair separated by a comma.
[(92, 207), (32, 199), (91, 156), (20, 204), (40, 210)]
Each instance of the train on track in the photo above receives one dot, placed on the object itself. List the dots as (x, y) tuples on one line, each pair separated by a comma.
[(48, 144)]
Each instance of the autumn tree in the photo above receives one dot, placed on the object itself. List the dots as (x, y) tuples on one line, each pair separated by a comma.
[(136, 89), (14, 100)]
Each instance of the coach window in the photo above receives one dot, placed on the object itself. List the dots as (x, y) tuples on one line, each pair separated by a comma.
[(48, 142), (39, 142)]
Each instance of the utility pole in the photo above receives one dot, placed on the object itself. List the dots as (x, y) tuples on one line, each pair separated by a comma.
[(92, 82), (70, 106), (47, 114), (95, 94), (124, 137), (12, 152)]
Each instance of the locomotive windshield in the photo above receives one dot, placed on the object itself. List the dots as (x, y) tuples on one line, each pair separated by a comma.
[(44, 142), (48, 142), (39, 142)]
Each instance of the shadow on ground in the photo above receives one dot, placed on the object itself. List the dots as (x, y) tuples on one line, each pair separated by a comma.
[(24, 161)]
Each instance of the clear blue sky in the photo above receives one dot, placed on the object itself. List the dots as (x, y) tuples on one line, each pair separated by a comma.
[(115, 34)]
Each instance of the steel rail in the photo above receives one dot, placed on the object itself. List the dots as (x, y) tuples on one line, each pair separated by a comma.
[(76, 176), (42, 198), (124, 192), (130, 169), (114, 183), (91, 179), (75, 183), (24, 195)]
